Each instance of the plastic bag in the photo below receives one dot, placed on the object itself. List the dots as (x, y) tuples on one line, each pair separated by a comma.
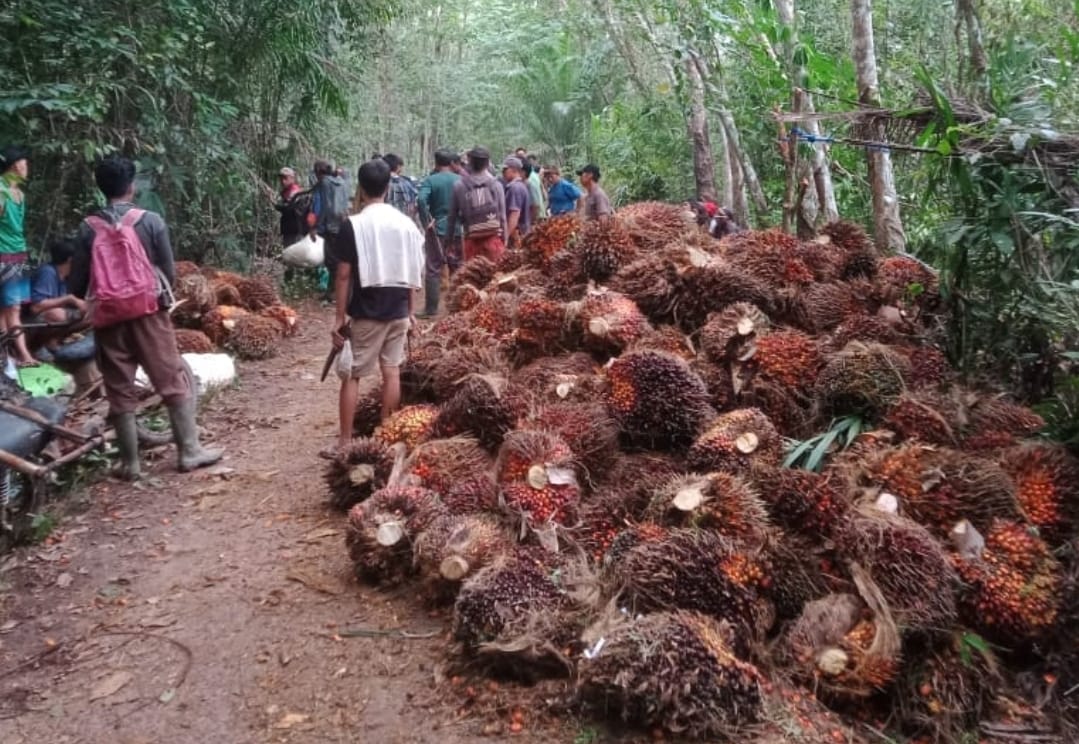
[(305, 253), (344, 361)]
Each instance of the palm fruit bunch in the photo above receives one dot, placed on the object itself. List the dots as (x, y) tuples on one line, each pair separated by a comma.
[(185, 268), (692, 569), (668, 339), (257, 292), (600, 520), (357, 471), (717, 501), (929, 366), (189, 341), (654, 225), (862, 378), (588, 430), (847, 648), (499, 601), (217, 275), (947, 689), (823, 306), (464, 297), (1047, 487), (791, 411), (225, 293), (548, 237), (604, 247), (858, 249), (794, 716), (677, 671), (904, 281), (254, 337), (991, 417), (735, 441), (454, 366), (219, 323), (726, 332), (633, 478), (652, 281), (495, 314), (537, 476), (863, 328), (566, 280), (630, 537), (416, 372), (454, 547), (572, 377), (411, 425), (718, 381), (906, 562), (657, 399), (285, 317), (703, 290), (477, 271), (939, 487), (484, 406), (771, 256), (927, 416), (802, 570), (368, 413), (799, 500), (789, 358), (541, 324), (1013, 589), (195, 298), (609, 322), (381, 530), (825, 260), (440, 463), (453, 330)]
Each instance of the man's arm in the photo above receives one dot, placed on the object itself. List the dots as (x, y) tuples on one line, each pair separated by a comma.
[(512, 219), (500, 200), (423, 201), (37, 308), (451, 218), (161, 254)]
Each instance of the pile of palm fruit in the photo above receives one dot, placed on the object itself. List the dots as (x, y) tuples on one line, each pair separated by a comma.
[(592, 469), (222, 310)]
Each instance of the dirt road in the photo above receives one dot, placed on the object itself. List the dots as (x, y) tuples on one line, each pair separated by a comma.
[(219, 606)]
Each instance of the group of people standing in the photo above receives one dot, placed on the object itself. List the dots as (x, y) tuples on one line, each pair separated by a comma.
[(397, 238)]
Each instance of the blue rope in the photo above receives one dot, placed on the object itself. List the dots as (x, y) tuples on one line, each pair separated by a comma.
[(811, 138)]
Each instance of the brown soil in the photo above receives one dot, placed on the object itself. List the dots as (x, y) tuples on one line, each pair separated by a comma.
[(216, 606)]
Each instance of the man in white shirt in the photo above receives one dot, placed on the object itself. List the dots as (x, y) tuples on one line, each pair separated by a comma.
[(380, 255)]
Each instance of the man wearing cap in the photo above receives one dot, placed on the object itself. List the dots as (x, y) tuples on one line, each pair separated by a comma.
[(597, 206), (518, 199), (14, 268), (478, 207), (292, 224)]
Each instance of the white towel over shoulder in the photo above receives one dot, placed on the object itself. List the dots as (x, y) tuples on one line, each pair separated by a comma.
[(389, 248)]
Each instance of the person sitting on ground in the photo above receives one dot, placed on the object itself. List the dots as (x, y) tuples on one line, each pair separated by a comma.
[(50, 301), (479, 208), (379, 266), (518, 200), (562, 195), (120, 248), (597, 206)]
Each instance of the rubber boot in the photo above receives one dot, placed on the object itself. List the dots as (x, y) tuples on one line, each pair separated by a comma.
[(190, 454), (432, 286), (127, 441)]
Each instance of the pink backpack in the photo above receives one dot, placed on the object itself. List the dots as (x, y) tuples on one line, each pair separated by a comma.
[(123, 283)]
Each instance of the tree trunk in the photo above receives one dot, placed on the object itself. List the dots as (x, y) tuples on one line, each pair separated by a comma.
[(739, 203), (726, 184), (748, 172), (887, 226), (704, 168), (968, 16)]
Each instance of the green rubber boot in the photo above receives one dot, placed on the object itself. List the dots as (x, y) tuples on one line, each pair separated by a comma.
[(432, 287), (190, 453), (127, 441)]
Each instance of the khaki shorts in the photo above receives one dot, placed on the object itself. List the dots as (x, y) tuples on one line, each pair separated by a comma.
[(377, 343)]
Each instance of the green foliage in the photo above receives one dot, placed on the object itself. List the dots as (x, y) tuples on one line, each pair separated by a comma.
[(42, 525), (812, 453)]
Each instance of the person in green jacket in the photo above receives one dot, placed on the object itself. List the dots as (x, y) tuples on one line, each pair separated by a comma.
[(14, 268), (434, 198)]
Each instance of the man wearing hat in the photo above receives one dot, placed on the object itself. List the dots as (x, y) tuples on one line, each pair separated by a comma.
[(518, 199), (14, 269), (292, 223), (478, 207), (597, 206)]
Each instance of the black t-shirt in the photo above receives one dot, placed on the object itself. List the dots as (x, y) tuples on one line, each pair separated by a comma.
[(368, 303)]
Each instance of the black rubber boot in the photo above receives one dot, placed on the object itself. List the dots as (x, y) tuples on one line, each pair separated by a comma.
[(127, 441), (432, 287)]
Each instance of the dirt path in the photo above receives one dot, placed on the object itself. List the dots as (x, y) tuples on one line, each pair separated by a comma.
[(211, 607)]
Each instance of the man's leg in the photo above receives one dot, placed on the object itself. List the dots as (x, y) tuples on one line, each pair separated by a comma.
[(118, 365), (391, 390), (347, 410), (11, 322), (391, 357), (432, 280)]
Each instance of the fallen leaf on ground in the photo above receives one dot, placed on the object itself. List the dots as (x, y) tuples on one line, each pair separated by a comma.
[(110, 685), (291, 719), (320, 534), (322, 584)]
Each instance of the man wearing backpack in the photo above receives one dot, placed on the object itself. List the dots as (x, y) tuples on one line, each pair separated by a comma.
[(293, 214), (122, 258), (478, 206), (402, 194)]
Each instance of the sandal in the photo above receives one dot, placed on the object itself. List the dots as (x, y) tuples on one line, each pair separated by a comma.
[(28, 365)]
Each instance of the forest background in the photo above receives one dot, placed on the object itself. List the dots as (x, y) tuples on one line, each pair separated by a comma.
[(673, 98)]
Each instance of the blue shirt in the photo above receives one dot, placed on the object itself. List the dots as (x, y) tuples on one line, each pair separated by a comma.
[(47, 285), (563, 197)]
